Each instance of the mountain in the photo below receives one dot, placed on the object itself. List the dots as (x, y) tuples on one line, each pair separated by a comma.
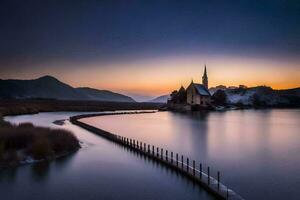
[(48, 87), (140, 97), (103, 95), (160, 99)]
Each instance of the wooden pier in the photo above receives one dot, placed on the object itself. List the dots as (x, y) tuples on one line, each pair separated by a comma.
[(187, 167)]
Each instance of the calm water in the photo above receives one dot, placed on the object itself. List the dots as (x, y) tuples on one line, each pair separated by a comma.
[(100, 170), (257, 151)]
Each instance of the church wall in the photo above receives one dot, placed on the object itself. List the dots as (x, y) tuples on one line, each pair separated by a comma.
[(193, 98)]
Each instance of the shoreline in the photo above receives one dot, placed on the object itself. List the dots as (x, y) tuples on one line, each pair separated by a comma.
[(18, 107)]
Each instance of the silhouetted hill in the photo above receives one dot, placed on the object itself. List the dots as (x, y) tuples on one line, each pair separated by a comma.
[(103, 95), (48, 87), (160, 99)]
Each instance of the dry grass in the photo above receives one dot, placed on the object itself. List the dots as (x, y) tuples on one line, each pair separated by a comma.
[(37, 142)]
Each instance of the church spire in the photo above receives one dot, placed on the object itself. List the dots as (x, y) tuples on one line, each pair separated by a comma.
[(205, 78)]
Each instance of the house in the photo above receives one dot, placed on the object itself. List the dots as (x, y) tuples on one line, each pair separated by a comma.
[(179, 97), (195, 96), (198, 94)]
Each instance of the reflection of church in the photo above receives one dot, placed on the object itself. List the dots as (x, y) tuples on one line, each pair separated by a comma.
[(195, 95)]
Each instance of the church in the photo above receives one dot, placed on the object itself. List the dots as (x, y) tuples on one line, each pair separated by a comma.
[(196, 95)]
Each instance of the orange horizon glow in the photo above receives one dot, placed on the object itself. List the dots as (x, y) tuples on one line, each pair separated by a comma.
[(163, 75)]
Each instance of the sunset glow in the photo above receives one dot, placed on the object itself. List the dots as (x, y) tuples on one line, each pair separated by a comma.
[(158, 76)]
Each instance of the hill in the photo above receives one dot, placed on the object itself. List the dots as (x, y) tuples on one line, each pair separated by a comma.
[(103, 95), (160, 99), (48, 87)]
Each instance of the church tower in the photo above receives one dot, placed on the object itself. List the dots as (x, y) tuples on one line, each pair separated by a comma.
[(205, 78)]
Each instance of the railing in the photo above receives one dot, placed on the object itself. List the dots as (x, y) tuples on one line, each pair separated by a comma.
[(190, 168)]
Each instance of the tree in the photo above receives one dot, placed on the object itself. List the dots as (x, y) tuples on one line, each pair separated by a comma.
[(219, 97)]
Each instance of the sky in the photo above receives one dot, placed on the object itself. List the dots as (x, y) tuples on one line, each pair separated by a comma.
[(151, 47)]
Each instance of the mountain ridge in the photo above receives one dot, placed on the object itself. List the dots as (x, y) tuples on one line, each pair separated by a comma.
[(49, 87)]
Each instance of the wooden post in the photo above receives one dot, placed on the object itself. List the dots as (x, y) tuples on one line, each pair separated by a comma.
[(227, 194), (200, 171), (157, 151), (167, 155), (134, 143), (177, 159), (152, 149), (208, 179), (182, 161), (187, 164), (141, 145), (130, 142), (149, 148), (194, 167), (218, 180), (137, 144), (171, 156), (144, 146), (161, 153)]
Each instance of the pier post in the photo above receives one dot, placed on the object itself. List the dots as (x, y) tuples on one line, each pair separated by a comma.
[(152, 149), (193, 167), (149, 148), (177, 159), (208, 179), (137, 144), (171, 156), (141, 145), (130, 142), (166, 155), (157, 151), (187, 164), (182, 161), (218, 180), (200, 171), (161, 153), (227, 194), (144, 146), (133, 143)]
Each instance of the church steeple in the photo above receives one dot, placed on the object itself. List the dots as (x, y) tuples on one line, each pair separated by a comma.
[(205, 78)]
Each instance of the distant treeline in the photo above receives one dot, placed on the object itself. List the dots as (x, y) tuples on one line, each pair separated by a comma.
[(31, 106)]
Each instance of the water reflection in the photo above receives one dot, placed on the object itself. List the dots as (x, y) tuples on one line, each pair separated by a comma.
[(40, 171), (63, 162), (8, 174), (96, 171), (241, 144)]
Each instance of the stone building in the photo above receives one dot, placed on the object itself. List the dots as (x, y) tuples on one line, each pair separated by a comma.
[(195, 96), (198, 94)]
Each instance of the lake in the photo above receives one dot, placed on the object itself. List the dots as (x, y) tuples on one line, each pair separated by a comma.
[(99, 170), (257, 151)]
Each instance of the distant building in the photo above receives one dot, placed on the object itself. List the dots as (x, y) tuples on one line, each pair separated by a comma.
[(179, 97), (196, 95)]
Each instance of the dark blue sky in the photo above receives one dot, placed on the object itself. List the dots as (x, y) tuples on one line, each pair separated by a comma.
[(34, 33), (112, 29)]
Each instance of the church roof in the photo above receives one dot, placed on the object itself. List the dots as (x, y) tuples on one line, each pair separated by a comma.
[(181, 89), (201, 89)]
